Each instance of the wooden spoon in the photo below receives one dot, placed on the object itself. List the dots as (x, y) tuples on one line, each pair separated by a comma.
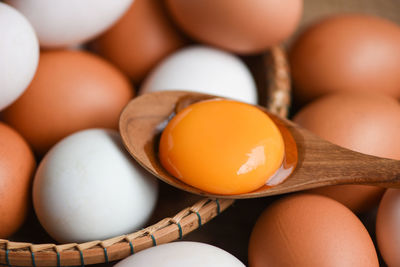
[(310, 161)]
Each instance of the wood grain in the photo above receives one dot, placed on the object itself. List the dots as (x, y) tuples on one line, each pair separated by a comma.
[(319, 163)]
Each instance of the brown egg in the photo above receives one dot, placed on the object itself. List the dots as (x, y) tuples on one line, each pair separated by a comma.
[(310, 230), (141, 38), (243, 27), (71, 91), (347, 53), (367, 123), (17, 165), (387, 227)]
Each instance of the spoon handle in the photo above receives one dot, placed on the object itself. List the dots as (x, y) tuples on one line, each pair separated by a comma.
[(323, 163)]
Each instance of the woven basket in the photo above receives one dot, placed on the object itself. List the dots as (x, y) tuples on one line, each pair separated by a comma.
[(168, 229)]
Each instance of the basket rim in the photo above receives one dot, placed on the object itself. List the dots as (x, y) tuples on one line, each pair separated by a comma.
[(115, 248), (168, 229)]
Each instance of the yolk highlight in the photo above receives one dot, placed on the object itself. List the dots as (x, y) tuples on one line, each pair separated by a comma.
[(222, 147)]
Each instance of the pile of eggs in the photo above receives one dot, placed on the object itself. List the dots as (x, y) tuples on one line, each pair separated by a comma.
[(68, 69)]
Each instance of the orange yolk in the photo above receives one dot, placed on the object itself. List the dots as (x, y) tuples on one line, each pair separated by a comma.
[(222, 147)]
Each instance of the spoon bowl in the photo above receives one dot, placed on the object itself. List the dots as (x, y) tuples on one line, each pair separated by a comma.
[(310, 162)]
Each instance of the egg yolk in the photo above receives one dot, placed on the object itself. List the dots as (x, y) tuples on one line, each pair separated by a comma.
[(222, 147)]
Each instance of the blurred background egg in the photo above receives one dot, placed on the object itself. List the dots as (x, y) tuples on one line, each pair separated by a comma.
[(181, 254), (387, 227), (346, 53), (310, 230), (70, 22), (142, 37), (19, 54), (71, 91), (206, 70), (366, 123), (17, 166), (88, 187), (243, 27)]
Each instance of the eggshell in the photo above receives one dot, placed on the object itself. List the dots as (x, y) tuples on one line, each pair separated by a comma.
[(310, 230), (243, 27), (206, 70), (17, 165), (387, 227), (19, 54), (88, 187), (70, 22), (347, 53), (140, 39), (367, 123), (181, 254), (71, 91)]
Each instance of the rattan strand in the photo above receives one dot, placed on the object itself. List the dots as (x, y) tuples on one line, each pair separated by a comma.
[(279, 82), (20, 254)]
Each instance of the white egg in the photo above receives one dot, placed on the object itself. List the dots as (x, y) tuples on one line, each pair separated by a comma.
[(19, 54), (206, 70), (70, 22), (181, 254), (88, 187), (387, 227)]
